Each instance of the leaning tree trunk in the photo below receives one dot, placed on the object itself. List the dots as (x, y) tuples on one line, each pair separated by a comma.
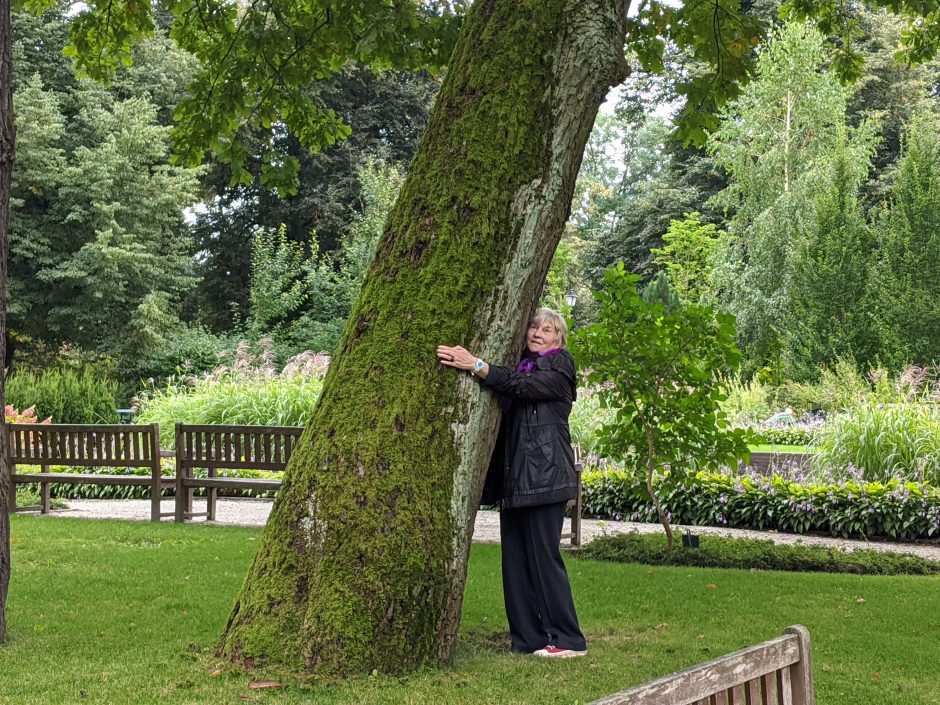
[(363, 561), (7, 138)]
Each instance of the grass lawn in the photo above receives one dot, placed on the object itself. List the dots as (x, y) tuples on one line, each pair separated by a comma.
[(123, 612)]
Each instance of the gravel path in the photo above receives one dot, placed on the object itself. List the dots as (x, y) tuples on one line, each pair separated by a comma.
[(254, 512)]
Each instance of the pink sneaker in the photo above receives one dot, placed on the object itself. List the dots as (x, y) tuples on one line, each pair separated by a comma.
[(557, 652)]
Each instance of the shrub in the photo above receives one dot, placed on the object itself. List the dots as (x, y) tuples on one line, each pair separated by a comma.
[(587, 416), (721, 552), (747, 402), (68, 396), (190, 350), (851, 507), (250, 391), (659, 364), (799, 434), (883, 441)]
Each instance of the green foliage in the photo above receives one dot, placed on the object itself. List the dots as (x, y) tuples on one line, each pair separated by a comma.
[(910, 268), (184, 350), (249, 391), (662, 372), (98, 256), (387, 111), (787, 436), (561, 277), (67, 395), (833, 298), (660, 291), (688, 256), (588, 415), (840, 386), (262, 94), (744, 554), (784, 142), (851, 507), (747, 403), (883, 441), (277, 290), (332, 280)]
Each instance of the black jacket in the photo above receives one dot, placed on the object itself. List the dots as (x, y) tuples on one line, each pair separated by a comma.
[(533, 462)]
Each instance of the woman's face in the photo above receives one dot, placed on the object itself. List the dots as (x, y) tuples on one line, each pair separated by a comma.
[(540, 338)]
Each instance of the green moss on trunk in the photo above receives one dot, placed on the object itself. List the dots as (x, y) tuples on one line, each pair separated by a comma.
[(363, 561)]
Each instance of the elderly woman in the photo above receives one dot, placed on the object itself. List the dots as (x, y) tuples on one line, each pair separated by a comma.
[(532, 477)]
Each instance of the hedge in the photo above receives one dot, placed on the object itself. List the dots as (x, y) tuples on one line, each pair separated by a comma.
[(893, 509)]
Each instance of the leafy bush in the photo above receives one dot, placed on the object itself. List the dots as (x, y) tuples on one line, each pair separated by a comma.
[(883, 441), (841, 508), (796, 435), (189, 350), (251, 391), (68, 396), (721, 552), (659, 364), (747, 402), (587, 416)]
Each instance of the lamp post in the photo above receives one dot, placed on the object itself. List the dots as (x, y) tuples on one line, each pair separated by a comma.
[(571, 298)]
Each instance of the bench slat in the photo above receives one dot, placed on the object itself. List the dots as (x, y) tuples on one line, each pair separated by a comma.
[(715, 676), (252, 430), (68, 478), (254, 483), (770, 689)]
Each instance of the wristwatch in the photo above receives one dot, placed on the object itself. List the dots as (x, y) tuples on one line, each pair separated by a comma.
[(478, 367)]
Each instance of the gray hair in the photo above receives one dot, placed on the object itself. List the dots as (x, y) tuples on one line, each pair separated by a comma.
[(547, 315)]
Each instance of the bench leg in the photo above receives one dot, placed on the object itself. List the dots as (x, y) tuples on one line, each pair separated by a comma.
[(576, 515), (45, 493), (155, 492), (212, 495), (11, 490), (180, 496)]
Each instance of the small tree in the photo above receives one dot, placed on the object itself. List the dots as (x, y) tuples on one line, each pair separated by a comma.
[(662, 371), (688, 255)]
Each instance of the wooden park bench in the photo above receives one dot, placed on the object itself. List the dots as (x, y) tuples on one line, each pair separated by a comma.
[(111, 445), (227, 448), (574, 536), (776, 672)]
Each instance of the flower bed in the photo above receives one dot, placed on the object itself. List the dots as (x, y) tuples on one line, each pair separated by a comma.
[(893, 509)]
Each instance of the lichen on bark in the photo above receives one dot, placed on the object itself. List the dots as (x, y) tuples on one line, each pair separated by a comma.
[(363, 561)]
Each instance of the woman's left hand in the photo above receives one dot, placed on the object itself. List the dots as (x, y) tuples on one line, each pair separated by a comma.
[(456, 357)]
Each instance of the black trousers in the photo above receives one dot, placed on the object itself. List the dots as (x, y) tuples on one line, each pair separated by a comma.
[(535, 583)]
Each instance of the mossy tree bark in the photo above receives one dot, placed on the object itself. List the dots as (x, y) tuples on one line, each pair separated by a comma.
[(363, 560), (7, 139)]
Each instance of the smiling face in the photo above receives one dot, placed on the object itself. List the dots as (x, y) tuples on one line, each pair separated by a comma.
[(541, 336)]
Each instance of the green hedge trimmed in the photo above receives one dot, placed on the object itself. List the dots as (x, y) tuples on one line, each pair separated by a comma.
[(721, 552), (785, 436), (892, 510)]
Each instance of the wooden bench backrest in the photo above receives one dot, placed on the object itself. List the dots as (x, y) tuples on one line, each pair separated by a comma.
[(235, 447), (108, 445), (776, 672)]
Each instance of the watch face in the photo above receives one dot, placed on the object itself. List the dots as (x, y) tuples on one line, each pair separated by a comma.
[(479, 365)]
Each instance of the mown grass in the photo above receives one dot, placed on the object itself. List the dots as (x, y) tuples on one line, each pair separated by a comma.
[(123, 612)]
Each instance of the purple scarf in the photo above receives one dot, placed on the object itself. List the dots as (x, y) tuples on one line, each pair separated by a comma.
[(526, 365), (529, 360)]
